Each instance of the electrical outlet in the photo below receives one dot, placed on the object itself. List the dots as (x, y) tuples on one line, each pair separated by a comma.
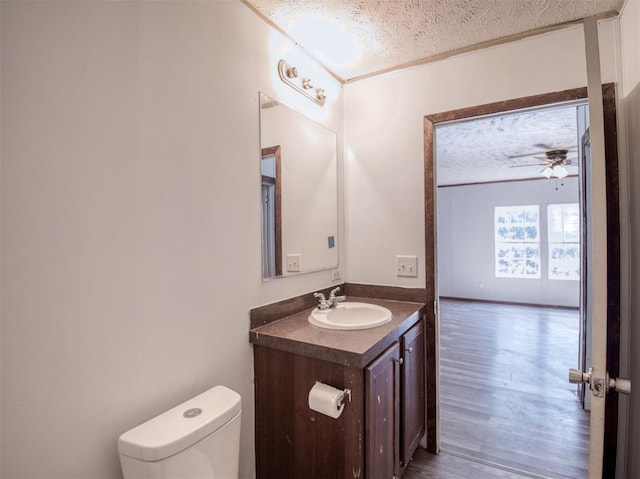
[(336, 275), (294, 263), (407, 266)]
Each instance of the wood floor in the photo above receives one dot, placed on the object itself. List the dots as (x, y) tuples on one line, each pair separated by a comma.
[(505, 398)]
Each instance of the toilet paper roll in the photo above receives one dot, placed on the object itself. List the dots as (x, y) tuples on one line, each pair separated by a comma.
[(326, 400)]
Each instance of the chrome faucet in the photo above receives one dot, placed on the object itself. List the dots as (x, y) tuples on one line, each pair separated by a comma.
[(324, 303)]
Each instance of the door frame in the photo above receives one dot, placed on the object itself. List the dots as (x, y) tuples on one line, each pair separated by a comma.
[(277, 207), (613, 253)]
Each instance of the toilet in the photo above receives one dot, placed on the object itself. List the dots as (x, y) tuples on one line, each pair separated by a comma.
[(199, 439)]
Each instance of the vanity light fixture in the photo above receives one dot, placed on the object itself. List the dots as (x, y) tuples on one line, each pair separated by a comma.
[(289, 75)]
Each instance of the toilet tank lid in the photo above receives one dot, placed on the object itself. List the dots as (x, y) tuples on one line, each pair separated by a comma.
[(175, 430)]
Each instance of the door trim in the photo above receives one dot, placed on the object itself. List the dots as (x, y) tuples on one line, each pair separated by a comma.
[(613, 251), (275, 151)]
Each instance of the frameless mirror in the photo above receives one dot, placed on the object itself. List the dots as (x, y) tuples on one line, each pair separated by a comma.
[(299, 186)]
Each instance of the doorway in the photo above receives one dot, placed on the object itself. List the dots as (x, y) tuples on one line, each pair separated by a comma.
[(433, 326), (508, 222)]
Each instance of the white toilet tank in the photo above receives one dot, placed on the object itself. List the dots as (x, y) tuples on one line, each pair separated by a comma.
[(199, 439)]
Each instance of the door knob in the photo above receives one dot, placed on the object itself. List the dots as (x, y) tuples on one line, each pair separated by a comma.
[(598, 384), (578, 377), (620, 385)]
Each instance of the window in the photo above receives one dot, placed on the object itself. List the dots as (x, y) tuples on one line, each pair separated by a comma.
[(564, 241), (517, 241)]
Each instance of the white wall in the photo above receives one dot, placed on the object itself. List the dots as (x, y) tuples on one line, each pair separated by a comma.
[(466, 242), (384, 148), (384, 144), (630, 39), (131, 219)]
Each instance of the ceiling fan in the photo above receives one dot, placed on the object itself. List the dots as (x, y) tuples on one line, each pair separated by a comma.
[(555, 160)]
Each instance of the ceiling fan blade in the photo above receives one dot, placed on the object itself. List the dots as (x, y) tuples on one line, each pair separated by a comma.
[(533, 153), (546, 148), (531, 164)]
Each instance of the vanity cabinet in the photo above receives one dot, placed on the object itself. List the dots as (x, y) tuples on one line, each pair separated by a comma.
[(395, 405), (413, 396), (382, 386), (379, 428)]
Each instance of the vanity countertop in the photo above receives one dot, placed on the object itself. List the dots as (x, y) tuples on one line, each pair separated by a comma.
[(356, 348)]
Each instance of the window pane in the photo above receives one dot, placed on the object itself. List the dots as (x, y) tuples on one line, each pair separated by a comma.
[(533, 268), (517, 215), (571, 233), (564, 241), (531, 232), (531, 214), (532, 252), (564, 262), (517, 233)]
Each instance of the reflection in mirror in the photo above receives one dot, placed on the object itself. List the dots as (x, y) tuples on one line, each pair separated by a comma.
[(298, 167)]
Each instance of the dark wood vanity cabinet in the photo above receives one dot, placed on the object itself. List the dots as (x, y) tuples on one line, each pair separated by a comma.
[(395, 405), (412, 404), (382, 406), (377, 432)]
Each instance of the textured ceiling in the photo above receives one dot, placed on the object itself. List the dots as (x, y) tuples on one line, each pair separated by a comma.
[(353, 38), (357, 38), (482, 150)]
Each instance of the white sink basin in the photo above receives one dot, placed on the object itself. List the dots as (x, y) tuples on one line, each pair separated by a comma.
[(349, 315)]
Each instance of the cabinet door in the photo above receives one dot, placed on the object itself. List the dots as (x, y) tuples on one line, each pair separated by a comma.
[(382, 409), (413, 391)]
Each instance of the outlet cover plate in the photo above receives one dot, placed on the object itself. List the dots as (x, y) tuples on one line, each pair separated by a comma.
[(336, 275), (407, 266), (294, 263)]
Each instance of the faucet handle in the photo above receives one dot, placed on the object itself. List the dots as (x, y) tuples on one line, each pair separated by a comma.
[(320, 296), (332, 293)]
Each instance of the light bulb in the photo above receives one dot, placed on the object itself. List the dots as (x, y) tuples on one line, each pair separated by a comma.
[(292, 72), (560, 171)]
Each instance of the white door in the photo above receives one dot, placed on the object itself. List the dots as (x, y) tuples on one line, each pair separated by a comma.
[(596, 209)]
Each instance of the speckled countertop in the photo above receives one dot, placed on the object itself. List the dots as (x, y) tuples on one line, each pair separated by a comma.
[(351, 348)]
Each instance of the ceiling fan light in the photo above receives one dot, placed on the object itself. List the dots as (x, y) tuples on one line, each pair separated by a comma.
[(547, 172), (560, 171)]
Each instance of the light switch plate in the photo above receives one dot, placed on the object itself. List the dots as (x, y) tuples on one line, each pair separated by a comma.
[(407, 266), (336, 275), (294, 263)]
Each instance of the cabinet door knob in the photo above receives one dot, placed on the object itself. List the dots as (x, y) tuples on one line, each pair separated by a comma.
[(399, 361), (409, 349)]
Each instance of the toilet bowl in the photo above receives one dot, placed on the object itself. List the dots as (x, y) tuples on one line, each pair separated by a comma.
[(199, 439)]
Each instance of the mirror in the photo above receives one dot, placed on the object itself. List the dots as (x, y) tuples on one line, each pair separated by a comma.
[(299, 187)]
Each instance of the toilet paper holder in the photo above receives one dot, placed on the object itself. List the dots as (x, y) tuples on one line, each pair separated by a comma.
[(328, 400), (347, 393)]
